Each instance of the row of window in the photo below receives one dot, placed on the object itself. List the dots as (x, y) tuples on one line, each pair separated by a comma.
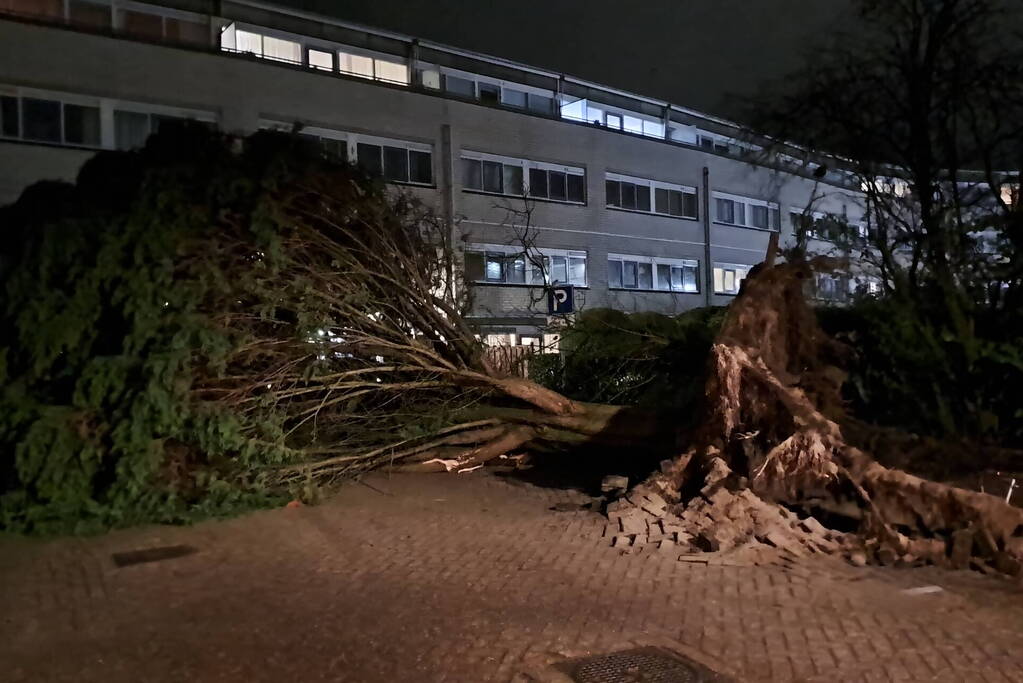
[(745, 212), (521, 177), (70, 120), (647, 195), (828, 227), (495, 264)]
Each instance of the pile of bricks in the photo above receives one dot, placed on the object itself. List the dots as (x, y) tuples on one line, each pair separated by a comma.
[(719, 520)]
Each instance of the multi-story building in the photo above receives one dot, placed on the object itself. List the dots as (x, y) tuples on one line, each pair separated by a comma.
[(641, 204)]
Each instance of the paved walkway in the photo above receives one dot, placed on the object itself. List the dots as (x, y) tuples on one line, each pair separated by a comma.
[(470, 578)]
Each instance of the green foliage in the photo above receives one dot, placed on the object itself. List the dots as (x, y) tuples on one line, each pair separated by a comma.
[(113, 294), (642, 359), (910, 373)]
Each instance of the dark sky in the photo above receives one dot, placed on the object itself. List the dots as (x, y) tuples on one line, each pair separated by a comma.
[(691, 52)]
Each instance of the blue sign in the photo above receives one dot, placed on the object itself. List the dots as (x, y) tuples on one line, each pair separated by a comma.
[(561, 300)]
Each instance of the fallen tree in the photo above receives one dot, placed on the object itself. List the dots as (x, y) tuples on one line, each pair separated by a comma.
[(263, 321)]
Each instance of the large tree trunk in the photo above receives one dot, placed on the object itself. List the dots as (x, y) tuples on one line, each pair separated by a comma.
[(772, 436)]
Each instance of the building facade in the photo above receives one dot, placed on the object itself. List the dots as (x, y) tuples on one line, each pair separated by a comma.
[(640, 204)]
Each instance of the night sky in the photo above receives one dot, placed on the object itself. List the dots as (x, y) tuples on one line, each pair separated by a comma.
[(695, 53)]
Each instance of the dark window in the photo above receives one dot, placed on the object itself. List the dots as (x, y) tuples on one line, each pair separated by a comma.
[(558, 185), (181, 31), (420, 167), (707, 143), (336, 150), (576, 189), (490, 93), (9, 116), (396, 164), (675, 203), (460, 86), (689, 205), (474, 266), (513, 98), (628, 196), (537, 183), (81, 124), (643, 197), (369, 158), (760, 216), (89, 14), (726, 211), (45, 8), (661, 202), (130, 129), (541, 104), (143, 24), (493, 177), (614, 273), (775, 219), (613, 190), (472, 174), (41, 119)]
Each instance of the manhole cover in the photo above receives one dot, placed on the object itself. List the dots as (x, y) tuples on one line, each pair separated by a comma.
[(642, 665), (166, 552)]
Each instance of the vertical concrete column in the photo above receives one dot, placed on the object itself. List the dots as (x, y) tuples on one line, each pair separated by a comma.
[(446, 185)]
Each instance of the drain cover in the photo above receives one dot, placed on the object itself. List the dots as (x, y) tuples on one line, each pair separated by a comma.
[(166, 552), (642, 665)]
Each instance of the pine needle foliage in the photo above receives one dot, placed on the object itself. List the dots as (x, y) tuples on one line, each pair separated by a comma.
[(135, 303)]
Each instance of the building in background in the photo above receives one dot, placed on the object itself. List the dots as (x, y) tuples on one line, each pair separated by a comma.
[(641, 204)]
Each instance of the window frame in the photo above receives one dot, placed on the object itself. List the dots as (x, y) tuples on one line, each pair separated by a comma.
[(654, 262), (735, 269), (652, 186), (510, 255), (529, 167), (744, 206)]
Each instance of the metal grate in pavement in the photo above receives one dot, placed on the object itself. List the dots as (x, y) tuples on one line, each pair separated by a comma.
[(641, 665)]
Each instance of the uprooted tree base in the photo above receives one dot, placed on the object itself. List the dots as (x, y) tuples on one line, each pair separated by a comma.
[(772, 442)]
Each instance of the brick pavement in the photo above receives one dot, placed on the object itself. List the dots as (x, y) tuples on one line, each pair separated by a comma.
[(470, 578)]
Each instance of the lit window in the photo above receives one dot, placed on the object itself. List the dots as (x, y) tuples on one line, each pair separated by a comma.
[(633, 124), (614, 121), (249, 42), (282, 50), (355, 65), (728, 278), (537, 268), (321, 59), (390, 71)]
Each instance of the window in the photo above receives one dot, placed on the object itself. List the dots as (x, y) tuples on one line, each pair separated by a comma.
[(635, 194), (489, 92), (41, 120), (505, 265), (53, 9), (142, 24), (460, 86), (133, 128), (396, 163), (832, 287), (513, 98), (745, 212), (91, 14), (556, 185), (9, 117), (184, 31), (321, 59), (827, 226), (541, 104), (81, 125), (655, 274), (729, 277), (505, 175), (388, 69)]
